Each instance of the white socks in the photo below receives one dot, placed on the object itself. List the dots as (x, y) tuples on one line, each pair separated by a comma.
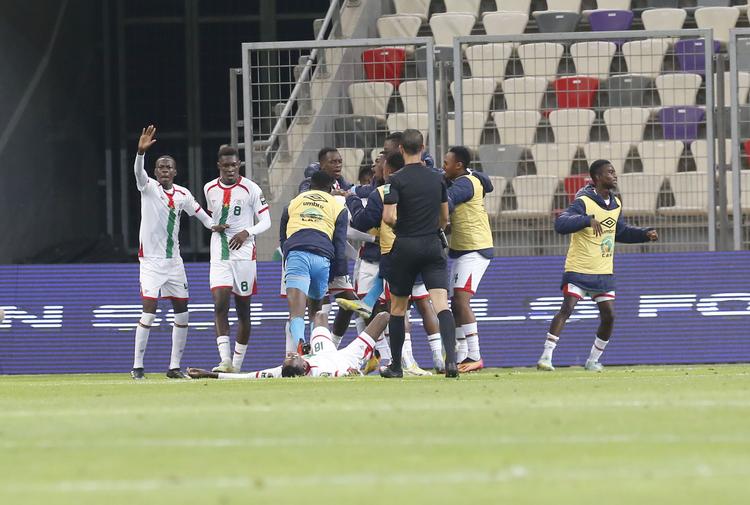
[(597, 349), (141, 338), (239, 356), (291, 345), (462, 348), (472, 340), (384, 348), (407, 358), (179, 338), (225, 350), (549, 346)]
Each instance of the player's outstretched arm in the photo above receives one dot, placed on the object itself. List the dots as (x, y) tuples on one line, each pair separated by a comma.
[(628, 234), (573, 218), (339, 265), (145, 141)]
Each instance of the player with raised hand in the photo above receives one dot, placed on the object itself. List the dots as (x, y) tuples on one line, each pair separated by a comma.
[(162, 273), (595, 221), (235, 203)]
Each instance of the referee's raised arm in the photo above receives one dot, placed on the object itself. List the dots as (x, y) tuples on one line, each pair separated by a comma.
[(416, 206)]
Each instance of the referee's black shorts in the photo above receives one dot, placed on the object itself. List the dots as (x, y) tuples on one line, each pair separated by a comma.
[(411, 256)]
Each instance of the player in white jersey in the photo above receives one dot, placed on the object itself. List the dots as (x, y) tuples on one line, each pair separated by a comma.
[(323, 361), (162, 274), (236, 202)]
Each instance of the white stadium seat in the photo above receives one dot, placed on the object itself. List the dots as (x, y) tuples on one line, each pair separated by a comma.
[(477, 93), (419, 7), (571, 126), (470, 6), (639, 193), (370, 98), (489, 60), (564, 5), (660, 157), (663, 19), (699, 149), (553, 159), (690, 190), (414, 95), (446, 26), (720, 19), (399, 26), (618, 5), (513, 5), (505, 23), (473, 128), (626, 124), (524, 93), (645, 57), (743, 86), (399, 122), (517, 126), (540, 59), (534, 196), (593, 58), (615, 152), (493, 201), (744, 190), (352, 159), (678, 89)]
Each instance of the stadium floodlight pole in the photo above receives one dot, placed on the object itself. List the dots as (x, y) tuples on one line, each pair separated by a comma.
[(734, 122)]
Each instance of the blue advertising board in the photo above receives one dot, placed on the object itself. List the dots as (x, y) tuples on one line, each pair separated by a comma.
[(671, 308)]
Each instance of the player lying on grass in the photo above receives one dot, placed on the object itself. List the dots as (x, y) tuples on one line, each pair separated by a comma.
[(324, 360)]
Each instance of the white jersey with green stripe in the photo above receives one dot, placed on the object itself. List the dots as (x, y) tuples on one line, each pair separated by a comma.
[(238, 205), (161, 209)]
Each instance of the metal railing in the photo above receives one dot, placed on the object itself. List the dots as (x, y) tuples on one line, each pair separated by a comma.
[(739, 82)]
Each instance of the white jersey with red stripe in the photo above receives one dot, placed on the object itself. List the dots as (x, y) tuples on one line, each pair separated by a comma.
[(327, 361), (236, 205), (161, 209)]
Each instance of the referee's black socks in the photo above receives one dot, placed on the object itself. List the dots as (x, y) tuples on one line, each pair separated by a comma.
[(447, 334), (397, 331)]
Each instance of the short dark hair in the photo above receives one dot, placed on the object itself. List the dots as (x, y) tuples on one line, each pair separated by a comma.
[(292, 369), (397, 137), (227, 150), (596, 167), (365, 170), (323, 152), (462, 154), (321, 181), (395, 161), (413, 141), (165, 157)]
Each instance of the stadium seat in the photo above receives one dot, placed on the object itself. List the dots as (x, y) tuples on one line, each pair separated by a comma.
[(720, 19), (639, 193), (615, 152), (576, 92), (414, 96), (593, 58), (370, 98), (613, 4), (500, 159), (663, 19), (626, 124), (400, 121), (493, 201), (564, 5), (540, 59), (470, 6), (660, 157), (627, 90), (678, 89), (662, 4), (610, 20), (746, 148), (743, 86), (714, 3), (691, 54), (473, 128), (402, 25), (690, 190), (505, 23), (681, 123), (358, 131), (374, 154), (699, 149), (419, 7), (352, 159), (513, 5), (744, 190), (553, 159), (744, 120), (447, 25), (573, 183), (489, 60), (556, 21), (571, 126), (516, 126), (645, 57), (534, 196), (524, 93), (384, 64), (477, 93), (743, 52)]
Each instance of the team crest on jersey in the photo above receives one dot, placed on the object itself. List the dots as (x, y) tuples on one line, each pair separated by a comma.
[(312, 215), (609, 223), (607, 246), (386, 189), (262, 199), (315, 198)]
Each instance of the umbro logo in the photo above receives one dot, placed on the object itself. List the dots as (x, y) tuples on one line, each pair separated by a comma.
[(609, 223), (316, 198)]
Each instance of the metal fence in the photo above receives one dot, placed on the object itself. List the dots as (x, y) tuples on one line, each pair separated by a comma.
[(738, 180), (535, 110)]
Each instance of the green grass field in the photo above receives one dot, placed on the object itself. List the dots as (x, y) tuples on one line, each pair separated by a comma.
[(630, 435)]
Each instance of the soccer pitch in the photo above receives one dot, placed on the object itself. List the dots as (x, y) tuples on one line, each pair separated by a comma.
[(628, 435)]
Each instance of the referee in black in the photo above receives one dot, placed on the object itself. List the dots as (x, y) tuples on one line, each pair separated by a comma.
[(416, 206)]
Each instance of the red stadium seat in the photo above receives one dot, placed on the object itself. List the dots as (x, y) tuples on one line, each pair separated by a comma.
[(573, 183), (384, 64), (576, 92), (746, 156)]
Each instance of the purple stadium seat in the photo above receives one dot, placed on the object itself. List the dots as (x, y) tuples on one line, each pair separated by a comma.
[(681, 123), (610, 20), (690, 54)]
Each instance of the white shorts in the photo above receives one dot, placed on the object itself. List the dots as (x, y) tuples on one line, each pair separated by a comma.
[(467, 271), (365, 276), (163, 278), (239, 275), (353, 355), (339, 284), (418, 292), (572, 289)]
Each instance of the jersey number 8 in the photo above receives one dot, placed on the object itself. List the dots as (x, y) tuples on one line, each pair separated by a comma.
[(237, 210)]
